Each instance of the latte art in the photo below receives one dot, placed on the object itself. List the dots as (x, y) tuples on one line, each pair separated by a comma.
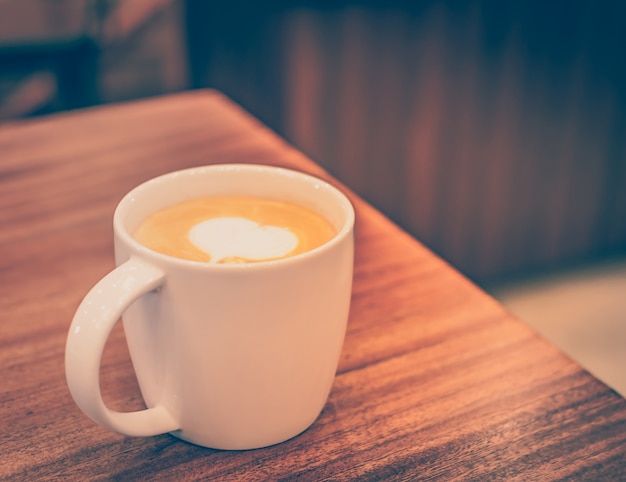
[(234, 229), (231, 238)]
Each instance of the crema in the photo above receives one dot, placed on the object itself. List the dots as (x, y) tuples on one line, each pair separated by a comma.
[(234, 229)]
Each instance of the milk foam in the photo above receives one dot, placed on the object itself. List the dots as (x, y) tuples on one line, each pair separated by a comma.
[(226, 237)]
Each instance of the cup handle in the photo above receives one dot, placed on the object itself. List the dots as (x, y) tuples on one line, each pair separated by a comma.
[(95, 318)]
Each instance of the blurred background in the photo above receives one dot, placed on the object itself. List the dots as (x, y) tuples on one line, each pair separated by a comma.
[(493, 131)]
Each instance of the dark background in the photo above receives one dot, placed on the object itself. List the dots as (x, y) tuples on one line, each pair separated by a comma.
[(493, 131)]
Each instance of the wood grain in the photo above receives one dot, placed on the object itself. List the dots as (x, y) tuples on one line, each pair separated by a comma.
[(436, 379)]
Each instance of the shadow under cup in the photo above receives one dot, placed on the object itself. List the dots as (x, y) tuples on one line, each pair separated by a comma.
[(242, 355)]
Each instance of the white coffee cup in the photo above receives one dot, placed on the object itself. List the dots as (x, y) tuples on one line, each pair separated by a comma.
[(233, 356)]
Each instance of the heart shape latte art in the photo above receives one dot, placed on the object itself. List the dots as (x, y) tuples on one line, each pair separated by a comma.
[(234, 237)]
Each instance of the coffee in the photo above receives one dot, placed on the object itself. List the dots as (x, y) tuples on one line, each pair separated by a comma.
[(232, 356), (234, 229)]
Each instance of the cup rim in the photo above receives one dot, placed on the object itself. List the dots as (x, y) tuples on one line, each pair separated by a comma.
[(125, 205)]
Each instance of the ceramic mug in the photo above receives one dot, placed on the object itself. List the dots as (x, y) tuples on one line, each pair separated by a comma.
[(235, 356)]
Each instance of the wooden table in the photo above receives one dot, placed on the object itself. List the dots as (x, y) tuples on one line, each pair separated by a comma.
[(436, 379)]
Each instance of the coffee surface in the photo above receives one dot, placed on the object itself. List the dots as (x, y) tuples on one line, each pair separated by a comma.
[(234, 229)]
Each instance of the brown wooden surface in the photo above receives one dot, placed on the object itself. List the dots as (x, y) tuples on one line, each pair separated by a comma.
[(436, 380)]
